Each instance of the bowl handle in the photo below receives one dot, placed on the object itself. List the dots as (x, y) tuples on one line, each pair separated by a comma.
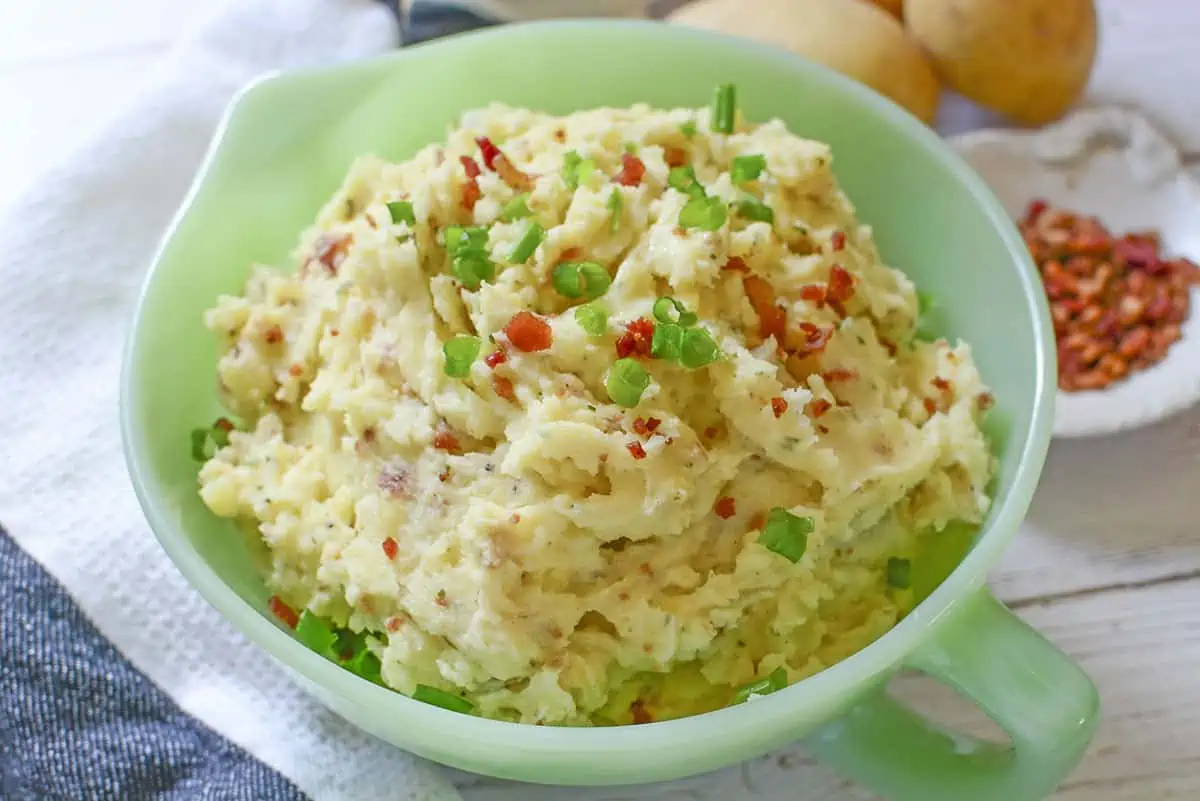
[(1042, 699)]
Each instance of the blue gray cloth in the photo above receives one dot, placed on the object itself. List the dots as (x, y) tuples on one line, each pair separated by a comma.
[(77, 721)]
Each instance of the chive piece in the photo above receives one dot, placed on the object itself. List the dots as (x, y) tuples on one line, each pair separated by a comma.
[(774, 682), (432, 695), (316, 633), (688, 129), (219, 436), (472, 269), (899, 573), (616, 202), (516, 209), (630, 147), (755, 210), (596, 279), (707, 214), (570, 170), (697, 348), (786, 534), (669, 310), (365, 664), (747, 168), (587, 168), (461, 351), (533, 237), (470, 238), (402, 211), (577, 279), (683, 178), (666, 341), (199, 441), (925, 305), (626, 382), (724, 108), (592, 318)]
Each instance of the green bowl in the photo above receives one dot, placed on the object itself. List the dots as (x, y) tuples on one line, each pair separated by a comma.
[(284, 147)]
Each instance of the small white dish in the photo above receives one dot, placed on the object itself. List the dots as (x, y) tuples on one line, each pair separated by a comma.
[(1112, 163)]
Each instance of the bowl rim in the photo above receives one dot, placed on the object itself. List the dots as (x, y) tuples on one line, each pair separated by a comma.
[(857, 671)]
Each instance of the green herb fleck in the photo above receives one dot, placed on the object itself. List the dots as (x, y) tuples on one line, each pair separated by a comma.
[(616, 202), (626, 382), (774, 682), (756, 210), (516, 209), (461, 351), (724, 108), (899, 573), (525, 248), (432, 695), (786, 534), (592, 318), (747, 168), (402, 211)]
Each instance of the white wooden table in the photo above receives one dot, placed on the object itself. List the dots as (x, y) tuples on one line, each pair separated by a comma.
[(1108, 565)]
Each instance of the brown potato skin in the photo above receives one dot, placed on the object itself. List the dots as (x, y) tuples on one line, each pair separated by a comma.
[(854, 37), (1027, 59)]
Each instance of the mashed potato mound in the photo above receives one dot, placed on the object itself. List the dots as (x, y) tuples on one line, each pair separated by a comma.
[(515, 537)]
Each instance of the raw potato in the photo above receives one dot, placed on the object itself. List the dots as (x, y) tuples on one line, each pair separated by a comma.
[(853, 37), (1028, 59)]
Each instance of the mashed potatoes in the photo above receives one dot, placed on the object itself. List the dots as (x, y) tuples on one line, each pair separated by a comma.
[(513, 536)]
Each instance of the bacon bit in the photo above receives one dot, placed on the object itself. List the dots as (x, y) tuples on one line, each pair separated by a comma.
[(652, 424), (471, 194), (639, 712), (837, 241), (813, 293), (838, 374), (772, 320), (514, 518), (636, 341), (570, 254), (330, 250), (674, 156), (390, 548), (470, 167), (444, 476), (441, 600), (273, 335), (488, 151), (496, 358), (639, 427), (823, 429), (815, 338), (1035, 210), (296, 371), (646, 569), (393, 479), (368, 435), (394, 623), (444, 440), (817, 407), (888, 345), (333, 332), (711, 432), (725, 508), (632, 170), (284, 613), (736, 264), (636, 450), (508, 172), (985, 401), (839, 289), (504, 388), (930, 405), (940, 383), (560, 135), (528, 332), (624, 596), (778, 406), (224, 424), (757, 521)]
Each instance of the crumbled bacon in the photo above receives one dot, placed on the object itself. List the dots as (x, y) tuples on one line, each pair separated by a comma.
[(636, 341), (674, 156), (772, 320), (813, 293), (985, 401), (940, 383), (817, 407), (636, 450), (444, 440), (930, 405), (652, 424), (504, 388), (815, 338), (284, 613), (469, 166), (757, 521), (839, 289), (224, 424), (711, 432), (273, 335), (528, 332), (778, 406), (736, 264), (390, 547), (330, 250), (837, 241), (725, 508), (394, 623), (639, 712), (496, 358), (508, 172), (570, 254), (488, 151), (632, 170), (888, 345), (645, 427), (839, 374), (296, 371), (471, 194)]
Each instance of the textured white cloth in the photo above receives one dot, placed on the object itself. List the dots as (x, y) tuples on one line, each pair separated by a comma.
[(77, 246)]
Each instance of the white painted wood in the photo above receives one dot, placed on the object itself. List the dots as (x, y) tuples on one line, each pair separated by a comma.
[(1108, 562)]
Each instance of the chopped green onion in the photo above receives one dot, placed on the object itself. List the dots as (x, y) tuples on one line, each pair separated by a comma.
[(631, 147), (925, 302), (707, 214), (402, 211), (199, 441), (316, 633), (626, 382), (576, 169), (516, 209), (724, 108), (774, 682), (219, 436), (899, 573), (666, 341), (459, 238), (747, 168), (683, 178), (533, 237), (472, 269), (365, 664), (697, 348), (587, 168), (432, 695), (461, 351), (925, 305), (577, 279), (755, 210), (592, 318), (688, 129), (201, 437), (786, 534), (668, 310), (616, 202)]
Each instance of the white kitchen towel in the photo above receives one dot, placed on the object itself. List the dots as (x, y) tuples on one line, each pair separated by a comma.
[(77, 245)]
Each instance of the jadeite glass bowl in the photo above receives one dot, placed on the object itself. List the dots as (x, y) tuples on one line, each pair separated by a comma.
[(283, 149)]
